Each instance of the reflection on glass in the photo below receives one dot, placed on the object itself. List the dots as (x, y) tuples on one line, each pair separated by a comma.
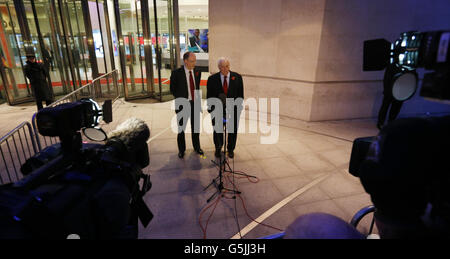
[(193, 16), (73, 14), (164, 42), (12, 55), (41, 49), (2, 84), (2, 90), (62, 54), (100, 36), (98, 43), (131, 22), (59, 40), (80, 51), (198, 40), (33, 31), (193, 25)]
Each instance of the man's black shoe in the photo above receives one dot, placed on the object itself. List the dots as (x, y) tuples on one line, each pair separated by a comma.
[(199, 151), (230, 153), (181, 154), (217, 154)]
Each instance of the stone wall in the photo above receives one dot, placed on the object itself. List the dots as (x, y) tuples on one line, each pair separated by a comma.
[(309, 53)]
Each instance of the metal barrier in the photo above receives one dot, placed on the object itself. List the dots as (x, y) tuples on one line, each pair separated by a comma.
[(13, 149), (99, 90)]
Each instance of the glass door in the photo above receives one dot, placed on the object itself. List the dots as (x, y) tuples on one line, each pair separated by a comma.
[(2, 84), (64, 40), (102, 41), (46, 39), (77, 42), (15, 86), (73, 39), (163, 46), (132, 27), (85, 53), (58, 36)]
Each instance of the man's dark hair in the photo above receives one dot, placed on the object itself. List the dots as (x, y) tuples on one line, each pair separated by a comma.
[(186, 55)]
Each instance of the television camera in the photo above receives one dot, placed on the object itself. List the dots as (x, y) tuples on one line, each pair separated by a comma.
[(404, 168), (412, 50), (94, 191)]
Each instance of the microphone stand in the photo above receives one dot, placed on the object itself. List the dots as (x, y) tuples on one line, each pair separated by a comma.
[(222, 163)]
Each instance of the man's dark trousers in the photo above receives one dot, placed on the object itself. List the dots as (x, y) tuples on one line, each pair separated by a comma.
[(195, 128)]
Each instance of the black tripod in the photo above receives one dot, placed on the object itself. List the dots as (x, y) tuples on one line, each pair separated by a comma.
[(218, 182)]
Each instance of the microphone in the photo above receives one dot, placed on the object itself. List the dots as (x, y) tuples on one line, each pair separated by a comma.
[(133, 134), (131, 131), (223, 99)]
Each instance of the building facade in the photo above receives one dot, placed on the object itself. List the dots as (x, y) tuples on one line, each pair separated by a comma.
[(309, 54), (306, 53), (80, 40)]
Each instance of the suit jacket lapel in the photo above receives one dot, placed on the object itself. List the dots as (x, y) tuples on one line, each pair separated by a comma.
[(183, 76), (219, 83), (197, 79), (230, 84)]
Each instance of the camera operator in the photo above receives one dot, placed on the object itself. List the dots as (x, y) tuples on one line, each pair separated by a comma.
[(406, 173), (91, 190), (405, 168)]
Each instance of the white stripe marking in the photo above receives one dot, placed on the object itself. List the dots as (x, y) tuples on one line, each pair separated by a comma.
[(278, 206), (157, 135)]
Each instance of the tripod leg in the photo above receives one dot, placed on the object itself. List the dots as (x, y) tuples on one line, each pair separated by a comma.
[(213, 182), (212, 196), (232, 191), (215, 163), (246, 175)]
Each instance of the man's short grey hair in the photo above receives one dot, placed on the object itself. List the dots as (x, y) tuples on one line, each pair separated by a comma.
[(222, 59)]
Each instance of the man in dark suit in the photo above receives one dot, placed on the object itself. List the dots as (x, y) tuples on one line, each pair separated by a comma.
[(183, 83), (229, 83), (38, 75)]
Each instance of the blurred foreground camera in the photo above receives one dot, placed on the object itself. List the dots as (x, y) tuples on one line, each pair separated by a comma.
[(430, 50), (405, 168), (66, 119), (69, 117), (92, 190)]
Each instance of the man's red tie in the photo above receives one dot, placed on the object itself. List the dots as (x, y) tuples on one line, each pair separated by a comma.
[(191, 84), (225, 85)]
